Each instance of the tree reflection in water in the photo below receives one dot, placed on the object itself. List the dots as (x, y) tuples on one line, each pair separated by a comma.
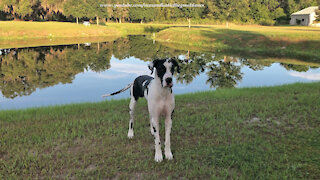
[(24, 70)]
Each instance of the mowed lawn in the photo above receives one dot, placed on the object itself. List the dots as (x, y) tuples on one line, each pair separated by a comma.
[(249, 133), (25, 30), (15, 34), (248, 40)]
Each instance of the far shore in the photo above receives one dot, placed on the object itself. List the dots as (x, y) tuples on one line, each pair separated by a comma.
[(15, 34)]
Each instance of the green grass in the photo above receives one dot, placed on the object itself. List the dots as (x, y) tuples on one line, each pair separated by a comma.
[(249, 133), (15, 34), (292, 42), (11, 30), (275, 42)]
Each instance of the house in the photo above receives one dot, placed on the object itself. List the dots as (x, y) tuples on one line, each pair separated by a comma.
[(305, 17)]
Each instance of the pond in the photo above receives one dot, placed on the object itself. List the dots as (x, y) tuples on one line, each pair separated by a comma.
[(54, 75)]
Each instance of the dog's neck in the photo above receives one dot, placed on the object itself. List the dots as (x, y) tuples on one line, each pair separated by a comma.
[(162, 90)]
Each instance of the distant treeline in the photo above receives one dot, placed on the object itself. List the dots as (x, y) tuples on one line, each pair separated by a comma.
[(265, 12)]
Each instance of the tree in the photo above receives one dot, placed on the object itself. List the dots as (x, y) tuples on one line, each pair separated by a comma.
[(120, 13), (210, 9), (265, 12), (223, 75), (22, 71), (191, 68), (18, 8), (142, 13), (318, 15), (258, 11), (191, 12), (74, 8), (52, 7), (94, 10), (24, 8), (231, 10), (299, 68)]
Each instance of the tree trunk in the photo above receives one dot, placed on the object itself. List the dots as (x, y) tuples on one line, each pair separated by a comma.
[(15, 17), (120, 20), (97, 20), (77, 20), (189, 20), (228, 20)]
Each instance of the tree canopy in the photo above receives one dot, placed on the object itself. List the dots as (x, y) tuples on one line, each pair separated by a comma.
[(240, 11)]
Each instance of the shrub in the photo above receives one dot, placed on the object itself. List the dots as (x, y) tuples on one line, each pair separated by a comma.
[(267, 22), (318, 14)]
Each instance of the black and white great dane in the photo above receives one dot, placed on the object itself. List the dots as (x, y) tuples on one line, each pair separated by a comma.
[(160, 98)]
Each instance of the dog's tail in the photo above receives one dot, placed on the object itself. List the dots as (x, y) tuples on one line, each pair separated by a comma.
[(118, 92)]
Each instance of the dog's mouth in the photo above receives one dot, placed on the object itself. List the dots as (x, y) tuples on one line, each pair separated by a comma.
[(170, 85)]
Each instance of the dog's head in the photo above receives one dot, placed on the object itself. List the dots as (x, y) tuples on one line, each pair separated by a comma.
[(165, 70)]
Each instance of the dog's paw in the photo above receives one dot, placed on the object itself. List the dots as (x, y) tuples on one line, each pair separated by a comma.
[(168, 155), (158, 157), (130, 134)]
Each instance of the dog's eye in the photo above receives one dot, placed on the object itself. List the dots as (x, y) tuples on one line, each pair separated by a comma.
[(163, 68)]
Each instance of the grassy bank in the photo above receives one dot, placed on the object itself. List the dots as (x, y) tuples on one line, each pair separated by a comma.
[(15, 34), (276, 42), (250, 133), (28, 34)]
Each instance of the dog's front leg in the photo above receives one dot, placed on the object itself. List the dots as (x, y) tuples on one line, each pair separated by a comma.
[(158, 153), (167, 149)]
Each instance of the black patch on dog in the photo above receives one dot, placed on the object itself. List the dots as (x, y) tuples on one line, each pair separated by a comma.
[(154, 129), (172, 114), (138, 88), (161, 69), (175, 65), (131, 125)]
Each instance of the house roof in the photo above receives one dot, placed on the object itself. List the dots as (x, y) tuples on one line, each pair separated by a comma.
[(306, 11)]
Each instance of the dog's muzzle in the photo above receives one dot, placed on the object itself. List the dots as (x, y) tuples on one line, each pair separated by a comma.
[(169, 82)]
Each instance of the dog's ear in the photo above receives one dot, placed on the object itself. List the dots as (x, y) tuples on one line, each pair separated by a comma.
[(175, 63), (152, 65)]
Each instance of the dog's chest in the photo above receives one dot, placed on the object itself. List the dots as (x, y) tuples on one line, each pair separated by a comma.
[(162, 104)]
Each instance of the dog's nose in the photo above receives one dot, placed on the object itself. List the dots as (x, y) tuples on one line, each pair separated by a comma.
[(169, 80)]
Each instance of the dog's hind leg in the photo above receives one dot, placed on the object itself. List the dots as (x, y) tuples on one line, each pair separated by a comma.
[(131, 107), (151, 126)]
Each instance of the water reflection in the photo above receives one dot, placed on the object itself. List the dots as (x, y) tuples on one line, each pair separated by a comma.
[(24, 70)]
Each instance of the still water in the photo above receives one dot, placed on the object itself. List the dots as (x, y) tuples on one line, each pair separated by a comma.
[(43, 76)]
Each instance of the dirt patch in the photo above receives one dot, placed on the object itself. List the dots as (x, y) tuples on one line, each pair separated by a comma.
[(91, 167), (254, 120)]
